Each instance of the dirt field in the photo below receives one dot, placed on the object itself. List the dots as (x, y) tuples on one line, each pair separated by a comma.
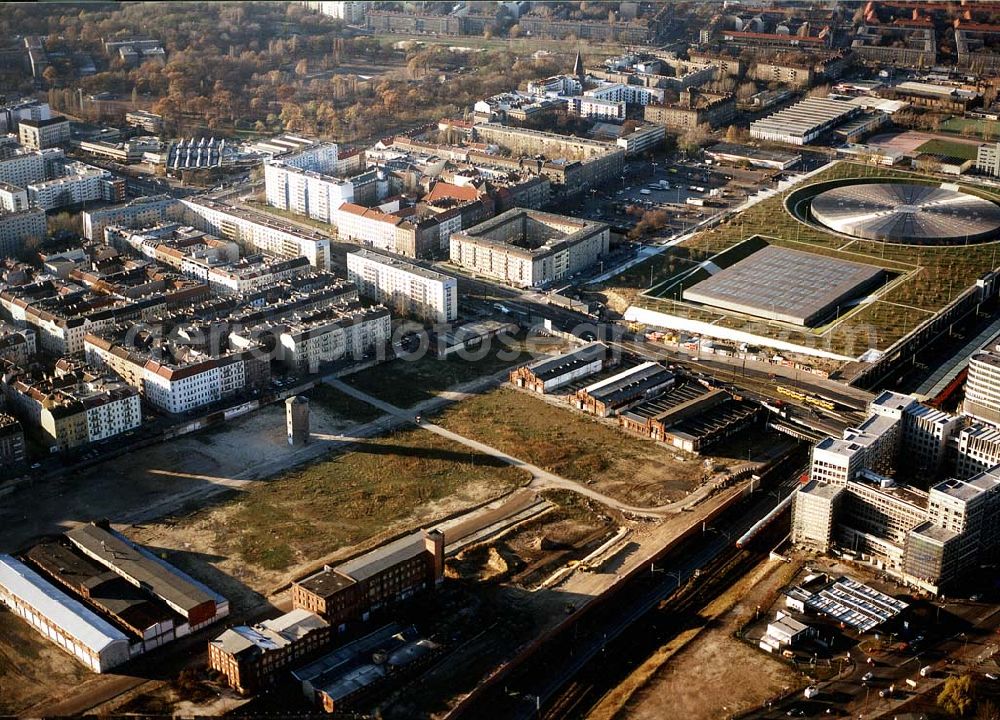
[(246, 449), (31, 668), (382, 487), (716, 675), (578, 447)]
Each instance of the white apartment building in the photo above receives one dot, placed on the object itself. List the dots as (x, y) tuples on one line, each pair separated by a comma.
[(13, 198), (19, 227), (242, 278), (24, 168), (556, 85), (40, 134), (321, 158), (367, 226), (630, 94), (85, 183), (978, 449), (192, 381), (351, 12), (141, 212), (988, 158), (334, 334), (258, 232), (12, 115), (305, 192), (72, 414), (599, 108), (405, 287), (982, 389)]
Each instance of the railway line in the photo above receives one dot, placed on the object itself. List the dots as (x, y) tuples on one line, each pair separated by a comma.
[(566, 673)]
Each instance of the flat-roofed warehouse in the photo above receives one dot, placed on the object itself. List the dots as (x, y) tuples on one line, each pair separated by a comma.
[(792, 286), (623, 390), (804, 121), (144, 617), (548, 374), (60, 618), (184, 595)]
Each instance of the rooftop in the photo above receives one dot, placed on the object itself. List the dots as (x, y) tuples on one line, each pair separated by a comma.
[(111, 549), (778, 283)]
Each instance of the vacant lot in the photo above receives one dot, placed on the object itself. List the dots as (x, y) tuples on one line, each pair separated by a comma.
[(691, 680), (575, 446), (380, 488), (405, 382), (31, 668)]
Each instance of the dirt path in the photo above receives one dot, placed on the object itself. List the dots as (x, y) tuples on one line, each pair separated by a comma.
[(541, 479)]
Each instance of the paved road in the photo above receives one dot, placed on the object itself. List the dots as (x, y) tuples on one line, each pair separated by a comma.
[(541, 479)]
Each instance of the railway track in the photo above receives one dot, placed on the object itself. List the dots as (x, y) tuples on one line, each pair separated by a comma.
[(564, 675)]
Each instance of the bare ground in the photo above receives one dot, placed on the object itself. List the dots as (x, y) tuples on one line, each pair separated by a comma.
[(31, 668), (717, 675)]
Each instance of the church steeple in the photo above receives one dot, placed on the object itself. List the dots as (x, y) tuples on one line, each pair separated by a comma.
[(578, 71)]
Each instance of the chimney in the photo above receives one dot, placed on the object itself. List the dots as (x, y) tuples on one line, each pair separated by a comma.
[(434, 544)]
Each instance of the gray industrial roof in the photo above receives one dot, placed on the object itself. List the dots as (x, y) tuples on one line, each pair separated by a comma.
[(85, 626), (907, 213), (852, 603), (374, 562), (782, 284), (562, 364), (110, 549)]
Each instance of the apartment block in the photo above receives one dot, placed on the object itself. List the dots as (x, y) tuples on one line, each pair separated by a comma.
[(74, 406), (40, 134), (406, 288), (80, 183), (529, 248), (141, 212), (17, 228), (12, 449), (176, 377), (982, 389), (257, 232), (18, 345)]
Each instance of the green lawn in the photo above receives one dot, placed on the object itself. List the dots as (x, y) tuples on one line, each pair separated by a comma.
[(986, 129), (966, 151)]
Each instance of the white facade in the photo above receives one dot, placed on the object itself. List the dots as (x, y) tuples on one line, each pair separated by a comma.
[(982, 390), (13, 198), (630, 94), (404, 286), (39, 134), (86, 184), (592, 107), (353, 334), (141, 212), (373, 228), (26, 167), (259, 232), (988, 158), (16, 228), (305, 192), (351, 12), (61, 619)]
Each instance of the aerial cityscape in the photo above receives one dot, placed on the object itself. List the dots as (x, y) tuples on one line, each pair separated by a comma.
[(515, 359)]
